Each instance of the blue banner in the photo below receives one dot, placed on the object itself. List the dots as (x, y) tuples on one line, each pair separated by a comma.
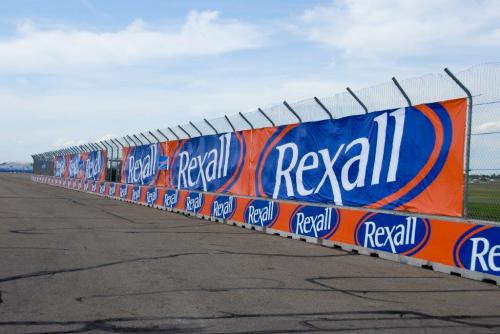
[(142, 164)]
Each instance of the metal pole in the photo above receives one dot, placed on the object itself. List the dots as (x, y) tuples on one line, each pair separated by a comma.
[(175, 134), (119, 145), (267, 117), (246, 120), (149, 141), (113, 145), (468, 136), (152, 135), (232, 127), (180, 127), (109, 160), (140, 141), (292, 111), (210, 125), (401, 90), (357, 99), (194, 126), (323, 107), (132, 140), (164, 135), (128, 143)]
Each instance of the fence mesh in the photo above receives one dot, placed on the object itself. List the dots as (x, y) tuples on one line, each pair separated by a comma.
[(483, 81)]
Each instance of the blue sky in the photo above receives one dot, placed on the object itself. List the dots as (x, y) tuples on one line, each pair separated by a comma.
[(79, 70)]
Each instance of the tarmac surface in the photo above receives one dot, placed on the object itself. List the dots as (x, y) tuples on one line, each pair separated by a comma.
[(77, 263)]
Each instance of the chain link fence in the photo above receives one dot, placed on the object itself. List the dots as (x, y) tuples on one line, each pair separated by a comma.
[(483, 81)]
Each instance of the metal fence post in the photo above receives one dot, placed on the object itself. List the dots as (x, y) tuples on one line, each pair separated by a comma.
[(246, 120), (164, 135), (231, 124), (401, 90), (467, 136), (210, 125), (357, 99), (266, 116), (323, 107), (292, 111), (138, 139), (147, 139), (187, 133), (175, 134), (194, 126)]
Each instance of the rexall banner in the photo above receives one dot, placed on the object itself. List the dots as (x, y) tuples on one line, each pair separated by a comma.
[(59, 166), (94, 165), (73, 165), (408, 159), (142, 165), (209, 163)]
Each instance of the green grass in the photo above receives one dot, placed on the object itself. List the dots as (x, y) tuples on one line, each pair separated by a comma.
[(484, 201)]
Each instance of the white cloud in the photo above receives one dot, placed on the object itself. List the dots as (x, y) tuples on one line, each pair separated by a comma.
[(385, 28), (34, 50), (488, 126)]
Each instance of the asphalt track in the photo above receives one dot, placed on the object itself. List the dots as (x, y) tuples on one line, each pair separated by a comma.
[(76, 263)]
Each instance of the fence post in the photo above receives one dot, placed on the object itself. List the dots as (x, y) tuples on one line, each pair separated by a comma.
[(246, 120), (147, 139), (401, 90), (153, 135), (232, 127), (323, 107), (292, 111), (175, 134), (196, 128), (357, 99), (210, 124), (164, 135), (187, 133), (138, 139), (467, 141), (267, 117)]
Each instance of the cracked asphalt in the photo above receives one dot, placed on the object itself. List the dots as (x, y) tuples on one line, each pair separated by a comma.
[(76, 263)]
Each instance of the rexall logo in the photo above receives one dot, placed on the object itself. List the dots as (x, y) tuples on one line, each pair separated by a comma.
[(102, 188), (208, 163), (356, 160), (94, 165), (405, 235), (261, 212), (74, 166), (170, 198), (59, 166), (315, 221), (123, 191), (151, 196), (112, 189), (136, 193), (142, 164), (223, 207), (194, 202), (478, 249)]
